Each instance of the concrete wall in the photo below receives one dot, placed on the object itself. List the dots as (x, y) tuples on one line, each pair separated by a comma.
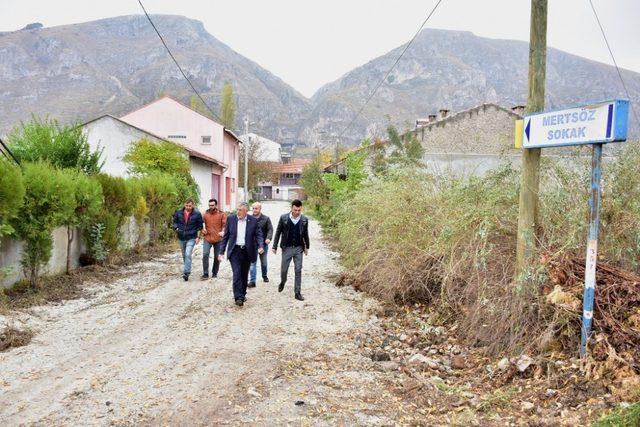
[(11, 251), (201, 172), (115, 138), (486, 129)]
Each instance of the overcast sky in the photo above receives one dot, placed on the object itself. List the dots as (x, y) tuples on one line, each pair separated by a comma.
[(310, 43)]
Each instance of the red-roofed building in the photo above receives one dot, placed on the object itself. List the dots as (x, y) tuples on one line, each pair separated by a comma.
[(288, 185)]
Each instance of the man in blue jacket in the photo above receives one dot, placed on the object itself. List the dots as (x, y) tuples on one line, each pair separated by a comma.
[(187, 223), (242, 242)]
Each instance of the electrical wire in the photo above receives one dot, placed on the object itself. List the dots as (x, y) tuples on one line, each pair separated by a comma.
[(604, 36), (390, 69), (177, 64)]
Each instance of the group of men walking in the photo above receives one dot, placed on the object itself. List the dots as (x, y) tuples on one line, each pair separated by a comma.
[(243, 238)]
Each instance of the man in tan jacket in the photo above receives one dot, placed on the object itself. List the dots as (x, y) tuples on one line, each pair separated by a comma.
[(214, 224)]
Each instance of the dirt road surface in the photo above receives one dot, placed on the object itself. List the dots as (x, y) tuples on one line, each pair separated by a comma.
[(149, 349)]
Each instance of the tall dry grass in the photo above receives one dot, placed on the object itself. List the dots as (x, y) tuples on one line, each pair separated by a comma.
[(451, 241)]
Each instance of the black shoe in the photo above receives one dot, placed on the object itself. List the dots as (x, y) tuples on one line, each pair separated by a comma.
[(239, 302), (215, 276), (251, 285), (204, 277), (185, 276), (265, 279), (280, 286), (299, 297)]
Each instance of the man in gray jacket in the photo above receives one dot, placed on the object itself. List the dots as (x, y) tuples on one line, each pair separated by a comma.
[(293, 227), (264, 222)]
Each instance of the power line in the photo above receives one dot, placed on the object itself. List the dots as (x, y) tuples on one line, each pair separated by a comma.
[(6, 150), (177, 64), (390, 69), (604, 36)]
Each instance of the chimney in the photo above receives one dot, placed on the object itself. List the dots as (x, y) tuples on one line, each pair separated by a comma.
[(421, 122), (442, 113), (518, 109), (432, 118)]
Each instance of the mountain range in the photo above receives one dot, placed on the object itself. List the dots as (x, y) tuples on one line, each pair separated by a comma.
[(77, 72)]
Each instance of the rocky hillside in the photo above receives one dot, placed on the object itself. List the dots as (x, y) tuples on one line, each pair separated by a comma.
[(76, 72), (456, 70)]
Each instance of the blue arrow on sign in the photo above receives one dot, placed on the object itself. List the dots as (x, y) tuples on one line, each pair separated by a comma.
[(528, 129)]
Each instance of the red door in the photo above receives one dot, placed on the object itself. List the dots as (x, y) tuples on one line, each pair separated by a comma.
[(227, 192)]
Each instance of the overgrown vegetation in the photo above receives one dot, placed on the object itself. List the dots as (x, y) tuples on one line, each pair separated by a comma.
[(407, 235), (11, 195), (60, 184), (622, 417), (63, 146), (147, 158), (87, 202), (47, 203)]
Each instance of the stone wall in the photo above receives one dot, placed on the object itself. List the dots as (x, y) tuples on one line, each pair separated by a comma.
[(486, 129)]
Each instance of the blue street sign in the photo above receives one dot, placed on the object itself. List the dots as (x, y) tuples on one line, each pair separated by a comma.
[(601, 122), (594, 124)]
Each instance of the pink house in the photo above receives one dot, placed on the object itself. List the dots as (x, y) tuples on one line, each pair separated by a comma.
[(176, 122)]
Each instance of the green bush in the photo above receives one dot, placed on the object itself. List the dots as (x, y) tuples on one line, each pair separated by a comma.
[(147, 157), (87, 203), (62, 146), (11, 195), (48, 202), (116, 208), (162, 199)]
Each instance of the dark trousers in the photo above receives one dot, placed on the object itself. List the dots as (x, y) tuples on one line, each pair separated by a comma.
[(206, 250), (292, 253), (240, 263)]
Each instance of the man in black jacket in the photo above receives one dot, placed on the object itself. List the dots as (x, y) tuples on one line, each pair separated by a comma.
[(293, 227), (264, 222), (187, 223)]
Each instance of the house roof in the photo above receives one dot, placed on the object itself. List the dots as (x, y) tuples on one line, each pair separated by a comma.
[(192, 153), (295, 166), (460, 114), (227, 131)]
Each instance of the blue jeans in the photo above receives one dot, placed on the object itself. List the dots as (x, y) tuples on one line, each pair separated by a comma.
[(206, 250), (263, 265), (186, 246)]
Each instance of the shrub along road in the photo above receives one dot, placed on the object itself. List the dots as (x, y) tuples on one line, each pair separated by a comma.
[(151, 348)]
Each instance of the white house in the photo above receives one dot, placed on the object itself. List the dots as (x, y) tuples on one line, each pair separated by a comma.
[(115, 137), (267, 150), (178, 123)]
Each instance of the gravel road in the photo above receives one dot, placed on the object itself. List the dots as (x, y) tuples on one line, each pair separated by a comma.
[(149, 349)]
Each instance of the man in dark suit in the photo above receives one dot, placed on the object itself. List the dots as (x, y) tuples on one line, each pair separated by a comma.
[(242, 242), (293, 228)]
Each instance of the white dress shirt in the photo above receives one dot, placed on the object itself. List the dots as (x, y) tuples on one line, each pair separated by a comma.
[(241, 232)]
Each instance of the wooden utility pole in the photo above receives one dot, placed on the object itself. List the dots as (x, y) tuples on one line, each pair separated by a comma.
[(530, 175)]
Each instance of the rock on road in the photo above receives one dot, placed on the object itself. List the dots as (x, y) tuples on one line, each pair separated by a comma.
[(148, 349)]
